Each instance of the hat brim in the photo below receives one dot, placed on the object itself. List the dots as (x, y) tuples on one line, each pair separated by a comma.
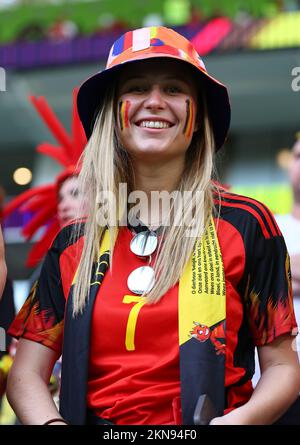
[(92, 93)]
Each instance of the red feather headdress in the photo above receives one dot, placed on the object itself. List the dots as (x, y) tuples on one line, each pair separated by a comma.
[(42, 201)]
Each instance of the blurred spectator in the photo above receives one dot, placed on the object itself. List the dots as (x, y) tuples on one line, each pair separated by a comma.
[(31, 32), (69, 199), (107, 22), (196, 16), (62, 29), (290, 225), (154, 19)]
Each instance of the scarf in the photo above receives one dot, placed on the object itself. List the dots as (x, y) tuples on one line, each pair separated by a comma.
[(201, 324)]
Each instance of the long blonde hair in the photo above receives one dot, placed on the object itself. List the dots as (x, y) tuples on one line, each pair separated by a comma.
[(105, 164)]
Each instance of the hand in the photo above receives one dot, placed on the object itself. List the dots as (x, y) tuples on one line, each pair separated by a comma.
[(219, 421), (234, 417)]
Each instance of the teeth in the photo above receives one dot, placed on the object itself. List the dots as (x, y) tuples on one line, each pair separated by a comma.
[(154, 124)]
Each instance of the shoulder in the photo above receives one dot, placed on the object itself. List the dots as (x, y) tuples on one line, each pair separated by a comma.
[(68, 236), (246, 214)]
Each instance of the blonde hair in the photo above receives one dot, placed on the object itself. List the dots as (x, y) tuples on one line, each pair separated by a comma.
[(104, 166)]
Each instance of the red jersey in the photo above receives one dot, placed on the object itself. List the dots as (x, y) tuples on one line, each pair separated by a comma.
[(134, 373)]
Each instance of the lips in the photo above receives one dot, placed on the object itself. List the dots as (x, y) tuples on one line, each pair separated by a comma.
[(154, 123)]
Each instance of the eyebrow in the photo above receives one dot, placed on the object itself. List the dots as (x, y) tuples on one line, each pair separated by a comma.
[(137, 77)]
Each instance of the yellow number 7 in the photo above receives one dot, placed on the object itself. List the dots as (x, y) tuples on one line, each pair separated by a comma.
[(133, 315)]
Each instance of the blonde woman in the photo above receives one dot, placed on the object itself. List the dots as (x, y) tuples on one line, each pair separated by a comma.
[(159, 307)]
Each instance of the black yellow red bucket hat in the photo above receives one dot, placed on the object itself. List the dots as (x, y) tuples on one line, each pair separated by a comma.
[(154, 42)]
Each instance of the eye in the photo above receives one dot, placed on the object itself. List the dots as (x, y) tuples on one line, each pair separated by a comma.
[(137, 89), (75, 193), (173, 89)]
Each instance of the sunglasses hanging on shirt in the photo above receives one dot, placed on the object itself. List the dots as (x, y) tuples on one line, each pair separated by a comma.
[(142, 279)]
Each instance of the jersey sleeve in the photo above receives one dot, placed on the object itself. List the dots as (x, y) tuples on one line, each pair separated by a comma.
[(268, 294), (41, 318)]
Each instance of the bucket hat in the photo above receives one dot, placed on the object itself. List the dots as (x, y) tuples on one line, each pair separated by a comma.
[(154, 42)]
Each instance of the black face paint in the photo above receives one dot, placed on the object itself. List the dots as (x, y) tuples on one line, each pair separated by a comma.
[(188, 113)]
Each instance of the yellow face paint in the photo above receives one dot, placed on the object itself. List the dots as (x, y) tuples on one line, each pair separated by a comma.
[(123, 114), (188, 126)]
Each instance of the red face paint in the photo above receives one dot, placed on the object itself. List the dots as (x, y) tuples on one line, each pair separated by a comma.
[(123, 114), (188, 126)]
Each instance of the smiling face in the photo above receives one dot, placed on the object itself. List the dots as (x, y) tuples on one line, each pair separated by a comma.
[(156, 108), (69, 200)]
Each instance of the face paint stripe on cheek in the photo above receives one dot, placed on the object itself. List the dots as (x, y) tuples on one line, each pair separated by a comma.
[(123, 114), (188, 111), (190, 125), (120, 115), (126, 111)]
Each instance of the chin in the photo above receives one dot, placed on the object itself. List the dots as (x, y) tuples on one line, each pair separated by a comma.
[(151, 150), (66, 221)]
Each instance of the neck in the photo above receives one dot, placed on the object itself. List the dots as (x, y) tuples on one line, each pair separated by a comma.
[(156, 177)]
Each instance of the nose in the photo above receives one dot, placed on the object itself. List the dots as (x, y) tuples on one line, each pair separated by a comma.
[(155, 98), (63, 206)]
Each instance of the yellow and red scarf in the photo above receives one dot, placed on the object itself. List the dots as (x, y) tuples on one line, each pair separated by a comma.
[(201, 322)]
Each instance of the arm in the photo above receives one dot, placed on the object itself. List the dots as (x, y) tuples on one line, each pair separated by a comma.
[(27, 388), (3, 270), (276, 390)]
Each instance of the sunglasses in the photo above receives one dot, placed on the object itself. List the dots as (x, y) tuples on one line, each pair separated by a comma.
[(142, 279)]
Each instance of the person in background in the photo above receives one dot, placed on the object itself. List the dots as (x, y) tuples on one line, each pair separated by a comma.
[(289, 224), (62, 29), (69, 199), (53, 206)]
